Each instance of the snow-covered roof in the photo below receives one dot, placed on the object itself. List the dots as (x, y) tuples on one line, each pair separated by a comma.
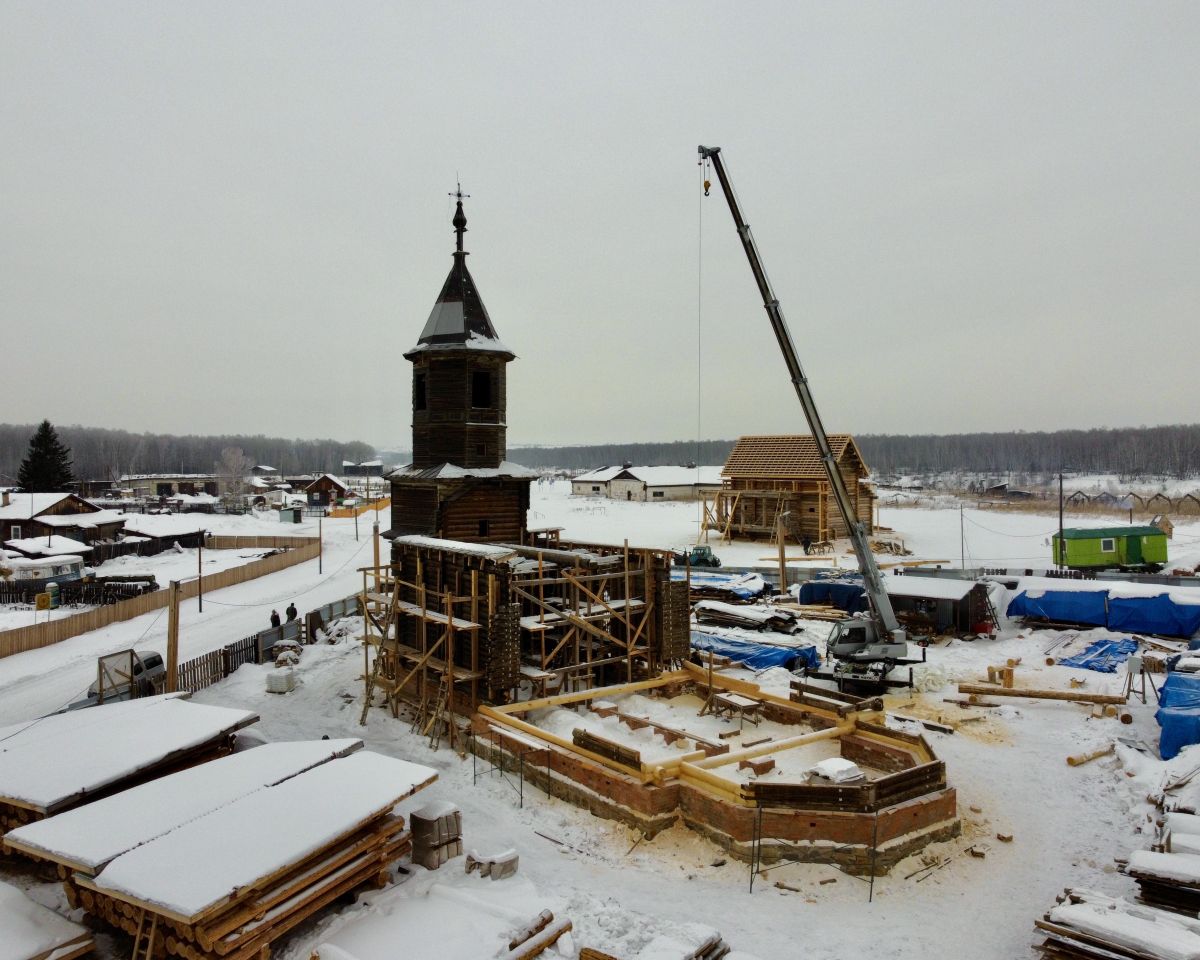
[(98, 747), (238, 845), (23, 506), (86, 521), (927, 588), (94, 834), (450, 471), (599, 475), (266, 469), (207, 498), (15, 562), (162, 525), (677, 476), (371, 463), (656, 476), (329, 476), (458, 546), (51, 546)]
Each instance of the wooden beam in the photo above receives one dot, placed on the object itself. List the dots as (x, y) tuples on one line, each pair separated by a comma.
[(1078, 696)]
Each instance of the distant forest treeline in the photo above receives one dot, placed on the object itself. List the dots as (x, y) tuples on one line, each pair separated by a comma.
[(1128, 451), (101, 454)]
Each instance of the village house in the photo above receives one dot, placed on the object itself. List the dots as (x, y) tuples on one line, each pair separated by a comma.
[(26, 516), (648, 483), (327, 489)]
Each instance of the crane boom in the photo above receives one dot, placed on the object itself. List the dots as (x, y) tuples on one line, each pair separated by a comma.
[(881, 603)]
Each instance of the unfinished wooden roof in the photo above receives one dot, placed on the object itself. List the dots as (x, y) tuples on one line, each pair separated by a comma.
[(787, 457)]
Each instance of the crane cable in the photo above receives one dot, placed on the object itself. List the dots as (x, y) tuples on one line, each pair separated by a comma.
[(703, 163)]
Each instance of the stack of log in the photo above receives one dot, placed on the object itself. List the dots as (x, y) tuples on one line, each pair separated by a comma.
[(245, 924), (436, 834)]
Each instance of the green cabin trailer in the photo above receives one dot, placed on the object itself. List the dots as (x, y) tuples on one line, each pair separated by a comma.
[(1102, 547)]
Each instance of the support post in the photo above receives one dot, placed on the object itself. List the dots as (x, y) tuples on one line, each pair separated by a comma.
[(173, 639), (320, 545), (200, 573)]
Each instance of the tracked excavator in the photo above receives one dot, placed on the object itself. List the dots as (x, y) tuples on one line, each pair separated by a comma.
[(864, 648)]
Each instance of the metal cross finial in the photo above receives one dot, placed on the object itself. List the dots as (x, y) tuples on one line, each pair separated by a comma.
[(460, 218)]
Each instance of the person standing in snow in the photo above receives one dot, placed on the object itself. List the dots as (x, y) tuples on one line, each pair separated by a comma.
[(274, 618), (291, 611)]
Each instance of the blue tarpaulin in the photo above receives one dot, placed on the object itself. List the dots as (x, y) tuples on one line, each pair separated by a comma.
[(844, 595), (745, 586), (1062, 606), (757, 656), (1158, 615), (1103, 656), (1178, 714)]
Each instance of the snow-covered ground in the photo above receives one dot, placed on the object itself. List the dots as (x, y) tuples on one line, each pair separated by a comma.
[(992, 538), (1068, 823)]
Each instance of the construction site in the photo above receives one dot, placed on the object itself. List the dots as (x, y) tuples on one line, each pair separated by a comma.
[(512, 719)]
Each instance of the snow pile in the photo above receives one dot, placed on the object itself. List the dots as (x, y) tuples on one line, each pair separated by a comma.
[(28, 929)]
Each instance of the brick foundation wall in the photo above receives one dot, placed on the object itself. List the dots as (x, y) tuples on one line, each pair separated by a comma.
[(856, 842)]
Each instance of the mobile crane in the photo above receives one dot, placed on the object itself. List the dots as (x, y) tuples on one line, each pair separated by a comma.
[(865, 648)]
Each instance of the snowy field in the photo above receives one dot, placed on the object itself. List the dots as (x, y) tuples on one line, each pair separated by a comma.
[(1068, 823)]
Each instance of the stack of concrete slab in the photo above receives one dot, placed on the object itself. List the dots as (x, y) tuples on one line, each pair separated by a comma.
[(437, 834)]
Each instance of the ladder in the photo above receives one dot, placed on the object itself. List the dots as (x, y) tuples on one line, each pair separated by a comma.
[(384, 628), (143, 941), (438, 716), (991, 608)]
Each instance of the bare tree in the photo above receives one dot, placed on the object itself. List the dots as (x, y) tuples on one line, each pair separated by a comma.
[(231, 470)]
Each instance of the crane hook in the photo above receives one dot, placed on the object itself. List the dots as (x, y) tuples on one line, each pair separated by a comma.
[(707, 184)]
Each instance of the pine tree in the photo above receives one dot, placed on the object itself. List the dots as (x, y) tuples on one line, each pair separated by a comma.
[(47, 466)]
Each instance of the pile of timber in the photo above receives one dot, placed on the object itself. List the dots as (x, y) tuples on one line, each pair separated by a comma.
[(1091, 925), (815, 611), (776, 618), (102, 750), (230, 882), (713, 947), (1170, 880)]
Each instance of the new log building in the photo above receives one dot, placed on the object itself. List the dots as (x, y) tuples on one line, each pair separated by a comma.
[(772, 478)]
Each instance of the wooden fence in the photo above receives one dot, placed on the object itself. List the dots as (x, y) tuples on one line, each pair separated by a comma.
[(209, 668), (360, 508), (46, 634)]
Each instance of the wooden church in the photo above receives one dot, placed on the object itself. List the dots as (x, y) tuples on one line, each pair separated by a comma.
[(459, 486)]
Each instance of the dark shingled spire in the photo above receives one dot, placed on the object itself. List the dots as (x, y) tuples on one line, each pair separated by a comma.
[(459, 319)]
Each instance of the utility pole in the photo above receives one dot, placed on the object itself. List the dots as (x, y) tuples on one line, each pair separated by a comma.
[(200, 572), (320, 544), (782, 552), (173, 638), (962, 540), (375, 537), (1061, 553)]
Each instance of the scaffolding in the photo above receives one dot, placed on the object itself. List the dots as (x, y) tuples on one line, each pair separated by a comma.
[(452, 625)]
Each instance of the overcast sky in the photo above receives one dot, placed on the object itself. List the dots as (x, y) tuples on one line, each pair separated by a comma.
[(233, 217)]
